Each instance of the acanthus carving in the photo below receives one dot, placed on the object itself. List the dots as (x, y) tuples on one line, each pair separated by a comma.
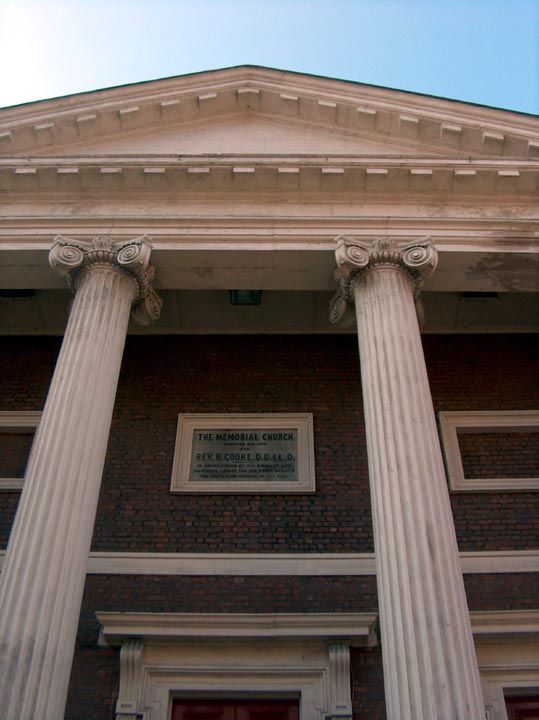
[(71, 257), (418, 259)]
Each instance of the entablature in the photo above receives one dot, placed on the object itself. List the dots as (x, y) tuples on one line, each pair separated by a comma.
[(276, 261), (325, 177)]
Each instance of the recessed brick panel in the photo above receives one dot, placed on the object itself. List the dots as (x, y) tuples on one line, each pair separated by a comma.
[(499, 454), (9, 500), (14, 451), (510, 591)]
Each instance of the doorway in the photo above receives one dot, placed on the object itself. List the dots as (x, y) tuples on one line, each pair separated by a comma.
[(522, 707), (229, 709)]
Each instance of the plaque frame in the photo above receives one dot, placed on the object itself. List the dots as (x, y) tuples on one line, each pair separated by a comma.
[(302, 423)]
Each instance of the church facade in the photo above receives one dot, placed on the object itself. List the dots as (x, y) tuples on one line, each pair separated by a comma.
[(268, 403)]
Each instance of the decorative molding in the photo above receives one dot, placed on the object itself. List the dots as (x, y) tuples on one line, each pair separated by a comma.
[(330, 104), (11, 483), (508, 657), (413, 177), (22, 421), (71, 257), (514, 679), (288, 564), (128, 705), (498, 421), (308, 656), (241, 564), (284, 669), (355, 629), (339, 683), (494, 623), (19, 421), (418, 258), (499, 562)]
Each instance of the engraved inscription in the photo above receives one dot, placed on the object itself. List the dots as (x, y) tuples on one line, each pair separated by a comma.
[(244, 454)]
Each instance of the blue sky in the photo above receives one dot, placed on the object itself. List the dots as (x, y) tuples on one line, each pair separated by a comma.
[(483, 51)]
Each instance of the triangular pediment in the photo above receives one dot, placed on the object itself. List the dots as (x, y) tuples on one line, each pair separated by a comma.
[(250, 110), (242, 135)]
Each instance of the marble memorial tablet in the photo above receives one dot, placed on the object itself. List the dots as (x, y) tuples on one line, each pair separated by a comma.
[(244, 453)]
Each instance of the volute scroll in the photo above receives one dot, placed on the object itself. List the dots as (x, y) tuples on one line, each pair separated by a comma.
[(71, 257), (354, 257)]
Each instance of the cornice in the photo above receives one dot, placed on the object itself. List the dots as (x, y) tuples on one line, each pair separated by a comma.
[(495, 623), (411, 178), (353, 628), (331, 104)]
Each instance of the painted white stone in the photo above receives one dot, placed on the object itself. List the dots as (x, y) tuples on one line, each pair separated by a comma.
[(294, 564), (127, 706), (308, 657), (339, 682), (430, 669), (45, 566)]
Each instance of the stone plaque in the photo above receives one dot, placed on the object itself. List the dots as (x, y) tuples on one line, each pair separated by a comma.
[(244, 453), (252, 454)]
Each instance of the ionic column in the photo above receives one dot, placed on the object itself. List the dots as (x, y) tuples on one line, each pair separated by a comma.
[(43, 578), (430, 669)]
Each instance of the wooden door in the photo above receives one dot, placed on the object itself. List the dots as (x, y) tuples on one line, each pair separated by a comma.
[(202, 710), (191, 709), (267, 710), (522, 708)]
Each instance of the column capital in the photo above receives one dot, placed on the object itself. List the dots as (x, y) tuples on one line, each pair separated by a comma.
[(72, 257), (418, 259)]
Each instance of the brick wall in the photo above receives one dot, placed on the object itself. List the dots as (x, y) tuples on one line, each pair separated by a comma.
[(509, 591), (9, 499), (14, 451), (162, 376), (368, 701), (499, 454), (489, 372), (230, 374), (27, 365)]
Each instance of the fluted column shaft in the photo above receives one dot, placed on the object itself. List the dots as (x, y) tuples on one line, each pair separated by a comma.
[(45, 567), (430, 669)]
